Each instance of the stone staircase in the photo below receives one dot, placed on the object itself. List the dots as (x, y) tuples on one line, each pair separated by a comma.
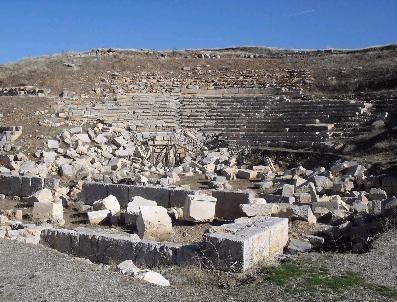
[(255, 120), (271, 121)]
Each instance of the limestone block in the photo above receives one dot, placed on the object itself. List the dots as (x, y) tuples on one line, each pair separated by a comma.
[(288, 190), (252, 210), (153, 223), (81, 138), (151, 277), (97, 217), (178, 197), (52, 144), (246, 243), (296, 246), (92, 191), (10, 185), (66, 170), (44, 195), (199, 208), (160, 195), (228, 203), (294, 212), (127, 267), (133, 209), (246, 174), (120, 191), (108, 203), (44, 211)]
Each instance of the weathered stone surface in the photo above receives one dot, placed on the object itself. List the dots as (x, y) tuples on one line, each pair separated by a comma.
[(228, 203), (178, 196), (108, 203), (294, 212), (153, 223), (288, 190), (296, 246), (44, 195), (151, 277), (199, 208), (10, 185), (48, 211), (247, 242), (97, 217), (52, 144), (127, 267), (121, 192), (160, 195), (133, 209), (252, 210), (246, 174), (108, 247)]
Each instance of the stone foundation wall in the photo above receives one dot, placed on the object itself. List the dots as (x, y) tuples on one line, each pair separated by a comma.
[(24, 186)]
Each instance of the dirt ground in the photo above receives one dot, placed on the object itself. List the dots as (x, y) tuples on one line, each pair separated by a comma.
[(36, 273)]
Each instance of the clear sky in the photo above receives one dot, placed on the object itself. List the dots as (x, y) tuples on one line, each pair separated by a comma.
[(38, 27)]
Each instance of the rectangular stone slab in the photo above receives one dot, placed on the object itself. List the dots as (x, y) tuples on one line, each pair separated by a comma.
[(246, 243)]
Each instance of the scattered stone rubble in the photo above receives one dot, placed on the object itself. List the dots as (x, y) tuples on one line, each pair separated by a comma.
[(338, 202)]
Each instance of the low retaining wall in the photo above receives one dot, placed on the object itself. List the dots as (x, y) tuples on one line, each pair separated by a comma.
[(106, 247), (24, 186), (165, 197)]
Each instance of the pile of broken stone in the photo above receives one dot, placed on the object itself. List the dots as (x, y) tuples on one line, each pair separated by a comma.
[(330, 201), (102, 153)]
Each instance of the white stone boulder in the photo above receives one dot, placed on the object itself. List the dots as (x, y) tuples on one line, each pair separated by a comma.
[(44, 211), (154, 223), (97, 217), (128, 268), (133, 209), (199, 208), (52, 144), (44, 195), (152, 277), (108, 203)]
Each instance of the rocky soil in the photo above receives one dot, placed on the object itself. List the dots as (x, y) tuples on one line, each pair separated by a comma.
[(35, 273)]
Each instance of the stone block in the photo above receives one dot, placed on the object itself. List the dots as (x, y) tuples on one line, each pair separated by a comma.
[(153, 223), (288, 190), (44, 195), (178, 197), (93, 191), (252, 210), (47, 211), (159, 195), (121, 192), (246, 243), (98, 217), (199, 208), (133, 209), (108, 203), (246, 174), (10, 185), (228, 203)]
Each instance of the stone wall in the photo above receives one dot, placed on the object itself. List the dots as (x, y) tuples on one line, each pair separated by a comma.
[(165, 197), (24, 186)]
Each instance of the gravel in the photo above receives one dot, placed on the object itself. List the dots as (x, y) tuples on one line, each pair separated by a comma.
[(36, 273)]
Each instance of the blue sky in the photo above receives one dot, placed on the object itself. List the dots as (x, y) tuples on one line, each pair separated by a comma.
[(38, 27)]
